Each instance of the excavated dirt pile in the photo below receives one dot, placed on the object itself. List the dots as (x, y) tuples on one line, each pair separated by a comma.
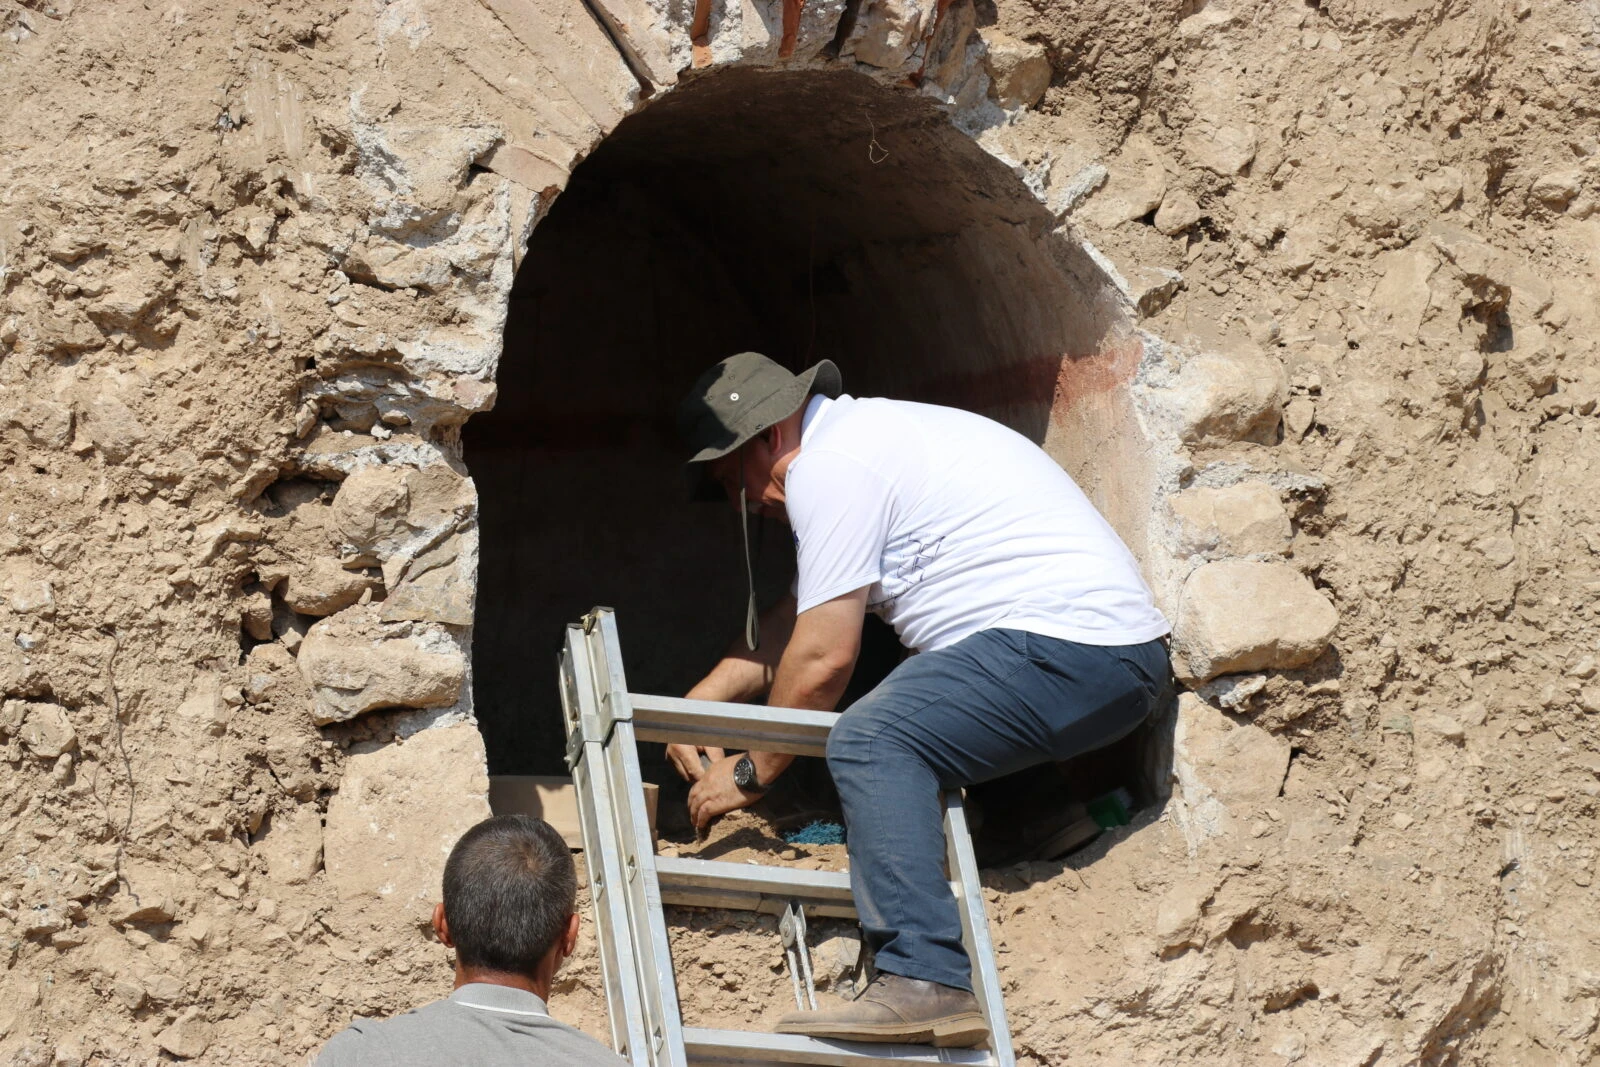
[(1307, 295)]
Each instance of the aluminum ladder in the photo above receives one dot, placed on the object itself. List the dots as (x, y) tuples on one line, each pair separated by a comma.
[(629, 883)]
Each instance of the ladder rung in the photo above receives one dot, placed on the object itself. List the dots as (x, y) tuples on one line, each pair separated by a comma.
[(752, 887), (752, 726), (749, 1047)]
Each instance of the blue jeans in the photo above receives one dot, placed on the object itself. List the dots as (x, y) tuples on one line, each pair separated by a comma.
[(992, 704)]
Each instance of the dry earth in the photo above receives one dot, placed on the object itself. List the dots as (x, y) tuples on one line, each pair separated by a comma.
[(249, 292)]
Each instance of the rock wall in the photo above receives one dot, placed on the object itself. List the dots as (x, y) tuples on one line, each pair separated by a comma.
[(254, 271)]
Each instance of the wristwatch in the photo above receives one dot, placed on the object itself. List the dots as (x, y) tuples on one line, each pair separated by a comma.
[(744, 776)]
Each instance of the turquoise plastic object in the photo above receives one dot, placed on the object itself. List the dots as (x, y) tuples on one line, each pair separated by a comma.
[(817, 833)]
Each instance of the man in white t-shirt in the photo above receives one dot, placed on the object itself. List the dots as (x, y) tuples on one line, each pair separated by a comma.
[(1036, 637)]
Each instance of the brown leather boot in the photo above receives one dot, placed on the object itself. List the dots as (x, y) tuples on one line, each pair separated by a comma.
[(897, 1010)]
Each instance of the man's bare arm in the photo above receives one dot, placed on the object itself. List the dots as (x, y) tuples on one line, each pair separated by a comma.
[(740, 676), (815, 668)]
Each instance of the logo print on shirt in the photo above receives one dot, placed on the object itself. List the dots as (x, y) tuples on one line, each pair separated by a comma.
[(907, 565)]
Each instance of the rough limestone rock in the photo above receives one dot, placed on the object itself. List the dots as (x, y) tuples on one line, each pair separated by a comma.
[(47, 731), (1177, 213), (415, 524), (1558, 188), (1402, 295), (108, 421), (150, 896), (1019, 70), (370, 508), (1224, 150), (890, 34), (188, 1037), (25, 591), (47, 423), (398, 812), (271, 675), (356, 663), (291, 843), (1135, 186), (1221, 771), (1151, 289), (1239, 616), (324, 587), (434, 587), (1242, 765), (1236, 397), (1238, 520)]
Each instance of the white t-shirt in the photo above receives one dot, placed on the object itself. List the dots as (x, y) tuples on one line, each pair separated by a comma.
[(959, 525)]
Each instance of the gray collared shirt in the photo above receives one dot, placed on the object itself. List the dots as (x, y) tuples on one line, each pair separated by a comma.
[(478, 1025)]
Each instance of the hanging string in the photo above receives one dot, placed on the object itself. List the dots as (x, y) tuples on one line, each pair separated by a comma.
[(752, 623), (873, 147)]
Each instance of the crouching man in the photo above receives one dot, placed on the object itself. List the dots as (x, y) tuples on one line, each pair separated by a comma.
[(509, 889), (1037, 639)]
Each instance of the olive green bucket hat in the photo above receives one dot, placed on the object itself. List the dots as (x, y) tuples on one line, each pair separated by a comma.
[(742, 396), (731, 403)]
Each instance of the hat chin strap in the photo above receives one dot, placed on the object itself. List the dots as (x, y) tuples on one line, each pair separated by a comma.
[(752, 623)]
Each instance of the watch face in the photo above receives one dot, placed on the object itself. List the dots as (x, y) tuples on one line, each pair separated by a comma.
[(744, 772)]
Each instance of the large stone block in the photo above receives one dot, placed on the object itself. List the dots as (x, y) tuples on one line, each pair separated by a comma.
[(1221, 770), (1237, 616), (399, 811), (1238, 520), (1018, 70), (1237, 397), (356, 663), (1242, 766), (370, 508), (891, 34), (324, 587)]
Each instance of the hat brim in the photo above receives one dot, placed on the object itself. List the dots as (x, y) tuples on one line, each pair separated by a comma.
[(822, 377)]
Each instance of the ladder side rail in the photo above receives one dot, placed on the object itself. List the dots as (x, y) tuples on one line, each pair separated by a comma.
[(648, 926), (618, 969), (711, 1046), (605, 650), (975, 928)]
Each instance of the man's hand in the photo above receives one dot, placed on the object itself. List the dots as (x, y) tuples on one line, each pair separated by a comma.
[(715, 794), (816, 661), (687, 759)]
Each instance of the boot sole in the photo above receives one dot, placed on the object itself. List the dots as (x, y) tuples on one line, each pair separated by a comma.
[(957, 1031)]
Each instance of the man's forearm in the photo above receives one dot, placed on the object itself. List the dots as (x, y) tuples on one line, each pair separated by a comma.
[(742, 675), (734, 679), (817, 686)]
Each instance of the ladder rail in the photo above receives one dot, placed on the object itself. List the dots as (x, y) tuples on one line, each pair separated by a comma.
[(652, 948), (602, 862), (707, 1045), (975, 926)]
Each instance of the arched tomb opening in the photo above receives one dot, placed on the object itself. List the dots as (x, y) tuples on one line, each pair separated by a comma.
[(804, 215)]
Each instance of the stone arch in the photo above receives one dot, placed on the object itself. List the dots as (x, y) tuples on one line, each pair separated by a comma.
[(804, 213), (464, 196)]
